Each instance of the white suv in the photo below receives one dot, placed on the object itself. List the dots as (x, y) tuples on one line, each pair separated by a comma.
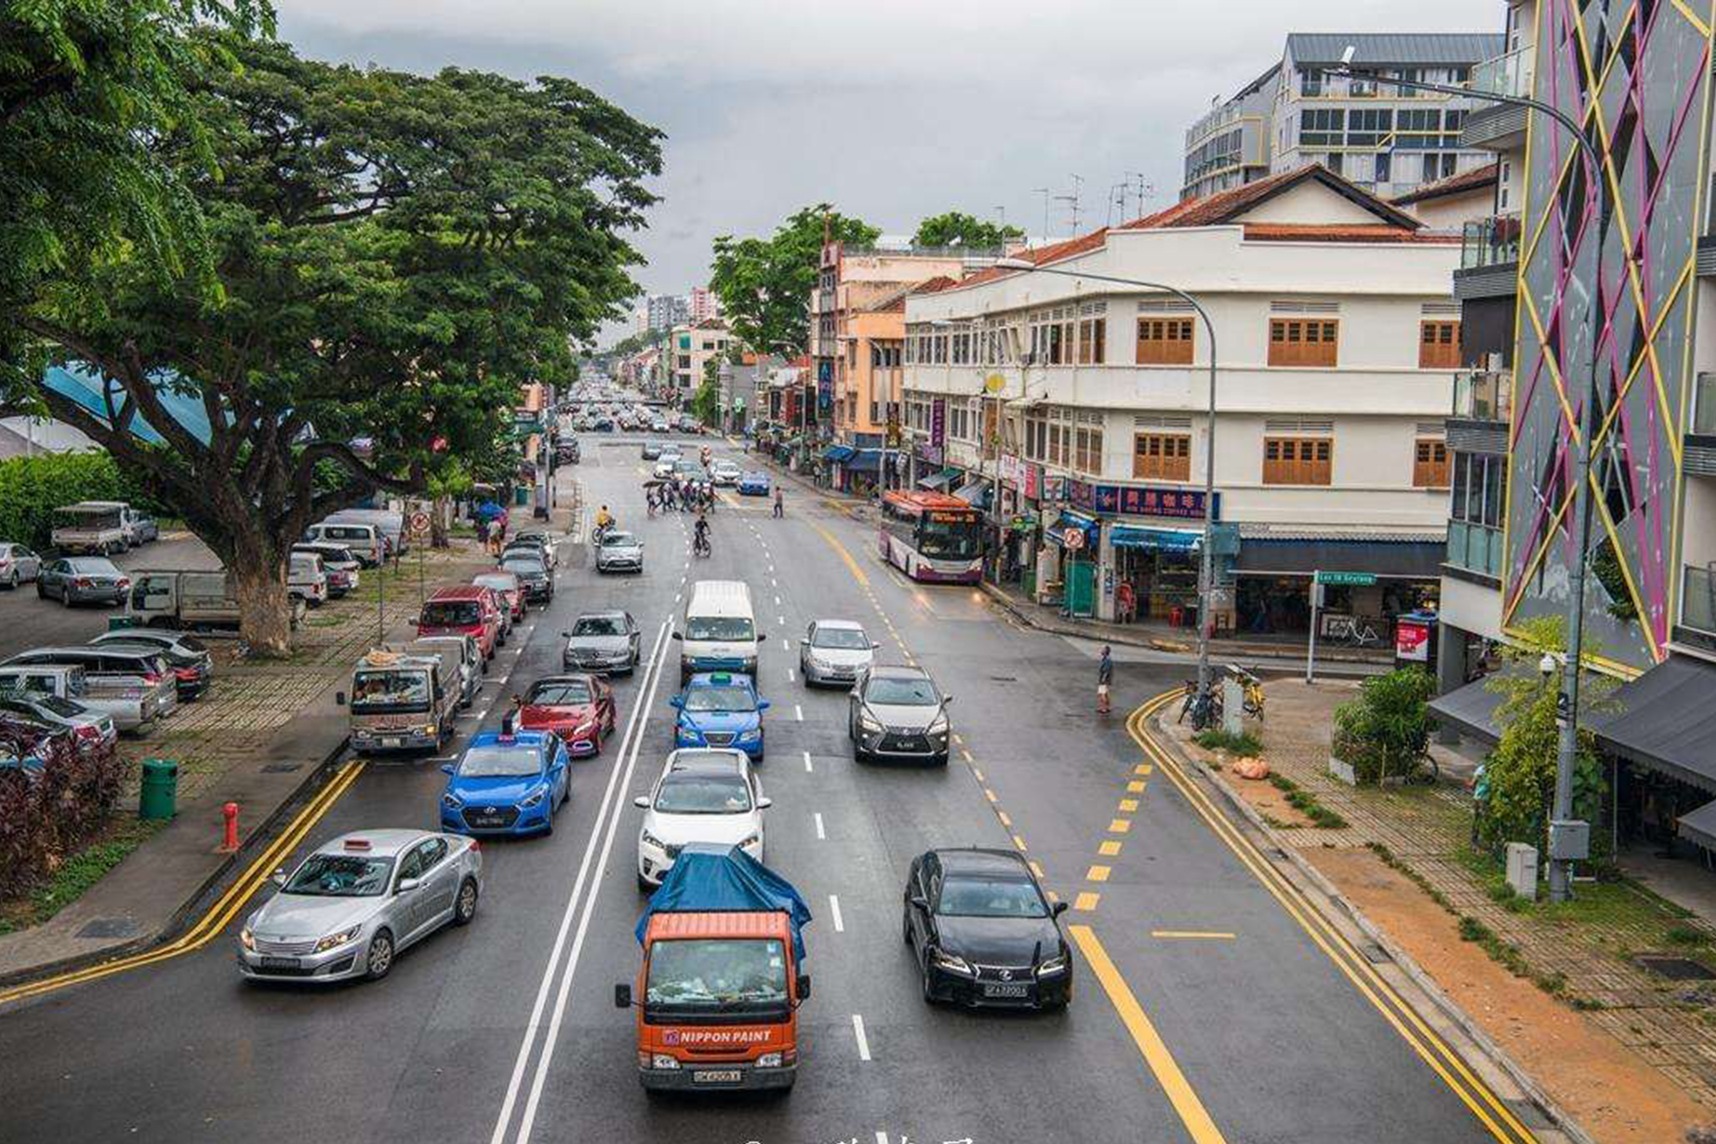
[(703, 795)]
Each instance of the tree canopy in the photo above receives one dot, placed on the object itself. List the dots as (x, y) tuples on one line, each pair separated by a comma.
[(955, 228), (392, 255), (764, 283)]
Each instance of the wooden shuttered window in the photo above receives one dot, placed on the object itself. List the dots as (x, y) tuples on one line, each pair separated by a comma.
[(1439, 345), (1298, 460), (1162, 457), (1304, 341), (1164, 341), (1430, 464)]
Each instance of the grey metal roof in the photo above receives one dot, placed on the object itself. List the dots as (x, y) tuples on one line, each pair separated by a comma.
[(1380, 49)]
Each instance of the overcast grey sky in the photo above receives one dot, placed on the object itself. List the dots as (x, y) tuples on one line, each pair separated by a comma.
[(890, 109)]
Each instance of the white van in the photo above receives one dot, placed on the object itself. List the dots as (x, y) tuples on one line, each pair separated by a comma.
[(306, 578), (720, 632), (364, 540)]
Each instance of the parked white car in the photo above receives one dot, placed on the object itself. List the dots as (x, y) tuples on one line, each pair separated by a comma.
[(703, 795)]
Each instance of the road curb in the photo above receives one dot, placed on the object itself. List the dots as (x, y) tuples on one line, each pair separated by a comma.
[(187, 913), (1450, 1009)]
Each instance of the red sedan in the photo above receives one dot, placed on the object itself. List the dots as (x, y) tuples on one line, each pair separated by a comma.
[(577, 707), (507, 587)]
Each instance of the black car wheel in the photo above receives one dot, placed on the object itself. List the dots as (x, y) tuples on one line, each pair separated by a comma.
[(65, 597), (41, 589), (12, 581), (465, 907), (928, 993), (380, 958), (906, 925)]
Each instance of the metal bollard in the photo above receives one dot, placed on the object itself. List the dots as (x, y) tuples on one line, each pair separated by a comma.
[(229, 843)]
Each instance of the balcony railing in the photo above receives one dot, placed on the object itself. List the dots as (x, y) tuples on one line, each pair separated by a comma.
[(1475, 547), (1509, 74), (1487, 395), (1698, 599), (1490, 242)]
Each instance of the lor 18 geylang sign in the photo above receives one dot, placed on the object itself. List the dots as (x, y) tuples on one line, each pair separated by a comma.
[(1139, 500)]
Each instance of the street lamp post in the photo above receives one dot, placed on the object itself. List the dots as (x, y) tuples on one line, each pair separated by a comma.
[(1206, 561), (1562, 824)]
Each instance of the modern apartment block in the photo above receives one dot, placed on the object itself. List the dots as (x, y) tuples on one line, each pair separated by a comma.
[(691, 347), (1528, 277), (1074, 407), (701, 304), (1387, 141), (665, 311)]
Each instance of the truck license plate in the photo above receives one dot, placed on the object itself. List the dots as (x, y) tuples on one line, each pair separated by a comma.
[(1004, 990), (390, 741), (715, 1076), (280, 963)]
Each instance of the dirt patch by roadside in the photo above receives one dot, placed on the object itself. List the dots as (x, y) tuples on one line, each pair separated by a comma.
[(1617, 1098), (1269, 802)]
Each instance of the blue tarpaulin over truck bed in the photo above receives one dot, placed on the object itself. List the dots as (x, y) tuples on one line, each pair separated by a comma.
[(708, 878)]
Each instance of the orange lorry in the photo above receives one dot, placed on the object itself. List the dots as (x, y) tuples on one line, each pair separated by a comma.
[(722, 976)]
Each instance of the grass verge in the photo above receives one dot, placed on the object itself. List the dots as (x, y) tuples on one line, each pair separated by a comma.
[(1244, 744), (1303, 801), (78, 873)]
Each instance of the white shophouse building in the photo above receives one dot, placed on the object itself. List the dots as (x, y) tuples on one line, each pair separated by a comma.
[(1069, 404)]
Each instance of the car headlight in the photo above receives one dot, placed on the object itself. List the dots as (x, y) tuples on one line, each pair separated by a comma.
[(769, 1061), (752, 839), (583, 729), (452, 801), (687, 731), (868, 721), (952, 963), (1052, 966), (939, 726), (751, 735), (651, 840), (429, 728), (247, 939), (535, 799), (335, 940), (662, 1061)]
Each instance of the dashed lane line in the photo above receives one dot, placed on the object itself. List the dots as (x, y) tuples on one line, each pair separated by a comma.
[(821, 834), (834, 912), (858, 1034), (807, 767)]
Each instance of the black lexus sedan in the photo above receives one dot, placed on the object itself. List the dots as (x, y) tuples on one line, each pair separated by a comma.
[(983, 932)]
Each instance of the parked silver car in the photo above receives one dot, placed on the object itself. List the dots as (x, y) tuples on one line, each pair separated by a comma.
[(83, 580), (619, 552), (357, 901), (834, 652), (603, 641), (18, 565), (898, 713), (89, 727), (133, 684)]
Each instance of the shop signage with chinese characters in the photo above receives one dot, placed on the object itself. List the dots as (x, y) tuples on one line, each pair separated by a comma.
[(1139, 500), (1012, 469), (938, 422), (1033, 482)]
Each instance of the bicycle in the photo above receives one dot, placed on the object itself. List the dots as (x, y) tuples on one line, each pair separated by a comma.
[(1353, 632), (1253, 686), (1204, 708), (700, 546)]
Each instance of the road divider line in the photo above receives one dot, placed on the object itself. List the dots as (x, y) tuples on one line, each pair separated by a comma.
[(1193, 935), (858, 1034), (834, 912), (607, 806), (820, 833), (807, 767), (798, 712), (1161, 1062)]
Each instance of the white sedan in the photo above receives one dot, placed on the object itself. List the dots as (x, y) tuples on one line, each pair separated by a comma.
[(703, 795)]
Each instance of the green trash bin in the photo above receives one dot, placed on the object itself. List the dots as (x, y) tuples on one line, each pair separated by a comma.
[(521, 496), (121, 623), (160, 794)]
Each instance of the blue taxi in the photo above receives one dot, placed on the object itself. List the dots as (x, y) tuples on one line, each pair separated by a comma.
[(720, 709), (506, 784), (754, 485)]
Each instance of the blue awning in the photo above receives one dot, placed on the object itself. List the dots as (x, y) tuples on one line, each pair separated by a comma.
[(936, 482), (838, 453), (1163, 539), (863, 461)]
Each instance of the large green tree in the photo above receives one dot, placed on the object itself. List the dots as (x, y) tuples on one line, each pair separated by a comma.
[(956, 228), (393, 255), (764, 283)]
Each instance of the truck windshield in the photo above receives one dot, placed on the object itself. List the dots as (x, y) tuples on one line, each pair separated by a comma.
[(722, 629), (451, 614), (715, 973), (378, 692)]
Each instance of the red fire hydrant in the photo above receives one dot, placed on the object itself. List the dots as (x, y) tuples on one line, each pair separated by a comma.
[(229, 843)]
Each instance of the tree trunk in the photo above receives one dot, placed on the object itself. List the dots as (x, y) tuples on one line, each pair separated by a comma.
[(440, 520), (264, 607)]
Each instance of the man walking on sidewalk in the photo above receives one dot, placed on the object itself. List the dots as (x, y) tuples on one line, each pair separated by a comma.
[(779, 511), (1104, 678)]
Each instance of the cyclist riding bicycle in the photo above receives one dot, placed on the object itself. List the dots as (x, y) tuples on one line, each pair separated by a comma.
[(700, 534)]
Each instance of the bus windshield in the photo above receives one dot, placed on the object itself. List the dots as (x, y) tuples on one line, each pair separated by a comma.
[(940, 538)]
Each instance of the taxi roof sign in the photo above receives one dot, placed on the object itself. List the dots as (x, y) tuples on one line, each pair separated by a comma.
[(357, 844)]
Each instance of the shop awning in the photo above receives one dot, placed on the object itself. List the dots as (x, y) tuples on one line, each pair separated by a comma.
[(1667, 721), (1699, 827), (975, 492), (936, 482), (863, 461), (1390, 559), (1471, 709), (838, 453), (1162, 539)]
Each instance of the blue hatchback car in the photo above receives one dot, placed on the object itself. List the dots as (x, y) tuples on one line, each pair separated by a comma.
[(720, 709), (506, 784), (754, 485)]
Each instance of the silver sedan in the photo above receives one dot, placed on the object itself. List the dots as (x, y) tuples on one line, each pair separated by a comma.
[(353, 905), (834, 652)]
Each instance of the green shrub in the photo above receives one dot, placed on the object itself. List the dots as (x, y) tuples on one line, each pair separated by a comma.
[(1387, 728), (1244, 744), (31, 488)]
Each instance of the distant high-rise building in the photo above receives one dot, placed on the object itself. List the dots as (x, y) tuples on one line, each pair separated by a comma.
[(703, 304), (667, 311)]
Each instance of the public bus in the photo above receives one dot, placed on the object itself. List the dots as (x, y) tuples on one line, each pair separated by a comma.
[(932, 537)]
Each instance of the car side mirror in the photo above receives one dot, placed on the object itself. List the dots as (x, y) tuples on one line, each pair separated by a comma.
[(339, 699), (406, 885), (919, 902), (946, 699), (874, 646), (765, 802), (622, 996), (565, 635), (763, 705), (804, 642), (1059, 909), (278, 877), (676, 702), (803, 986), (447, 768), (641, 802), (761, 636), (678, 636)]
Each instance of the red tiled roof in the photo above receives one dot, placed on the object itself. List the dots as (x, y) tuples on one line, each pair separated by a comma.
[(1295, 232), (1475, 179), (1040, 255), (1224, 206), (932, 285)]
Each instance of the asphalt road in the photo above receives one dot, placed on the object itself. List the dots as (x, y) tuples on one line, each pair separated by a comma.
[(505, 1031)]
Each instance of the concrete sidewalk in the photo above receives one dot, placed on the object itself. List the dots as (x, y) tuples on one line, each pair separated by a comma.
[(265, 737)]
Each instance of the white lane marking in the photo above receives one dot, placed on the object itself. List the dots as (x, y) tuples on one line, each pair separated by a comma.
[(608, 805), (777, 601), (781, 620), (798, 712), (819, 831), (834, 909), (789, 675), (560, 1001), (881, 1136), (807, 767), (785, 646), (676, 596), (864, 1055)]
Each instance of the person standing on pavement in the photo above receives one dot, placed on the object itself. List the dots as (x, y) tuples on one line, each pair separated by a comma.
[(1104, 679), (779, 509)]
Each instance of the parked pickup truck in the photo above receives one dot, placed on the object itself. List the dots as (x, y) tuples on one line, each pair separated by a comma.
[(722, 977), (128, 684), (402, 702), (100, 528)]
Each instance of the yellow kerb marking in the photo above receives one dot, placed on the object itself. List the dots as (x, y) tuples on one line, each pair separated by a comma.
[(1141, 769), (1136, 786), (1037, 868), (1086, 901), (1019, 842), (1128, 805), (1005, 821), (990, 795), (1120, 826), (1110, 848), (1097, 874)]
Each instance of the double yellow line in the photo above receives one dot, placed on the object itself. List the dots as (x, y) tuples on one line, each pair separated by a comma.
[(225, 908), (1491, 1112)]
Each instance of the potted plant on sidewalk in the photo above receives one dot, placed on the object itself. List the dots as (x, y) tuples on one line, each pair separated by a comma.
[(1384, 733)]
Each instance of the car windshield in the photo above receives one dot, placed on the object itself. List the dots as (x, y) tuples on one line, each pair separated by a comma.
[(720, 628), (499, 581), (500, 762), (523, 567), (568, 694), (901, 692), (717, 973), (599, 626), (329, 554), (390, 690), (964, 897), (719, 697), (618, 539), (64, 708), (341, 876), (703, 794), (846, 639), (451, 614), (92, 566)]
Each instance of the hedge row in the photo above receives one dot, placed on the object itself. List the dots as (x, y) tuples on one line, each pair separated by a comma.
[(31, 488), (46, 817)]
